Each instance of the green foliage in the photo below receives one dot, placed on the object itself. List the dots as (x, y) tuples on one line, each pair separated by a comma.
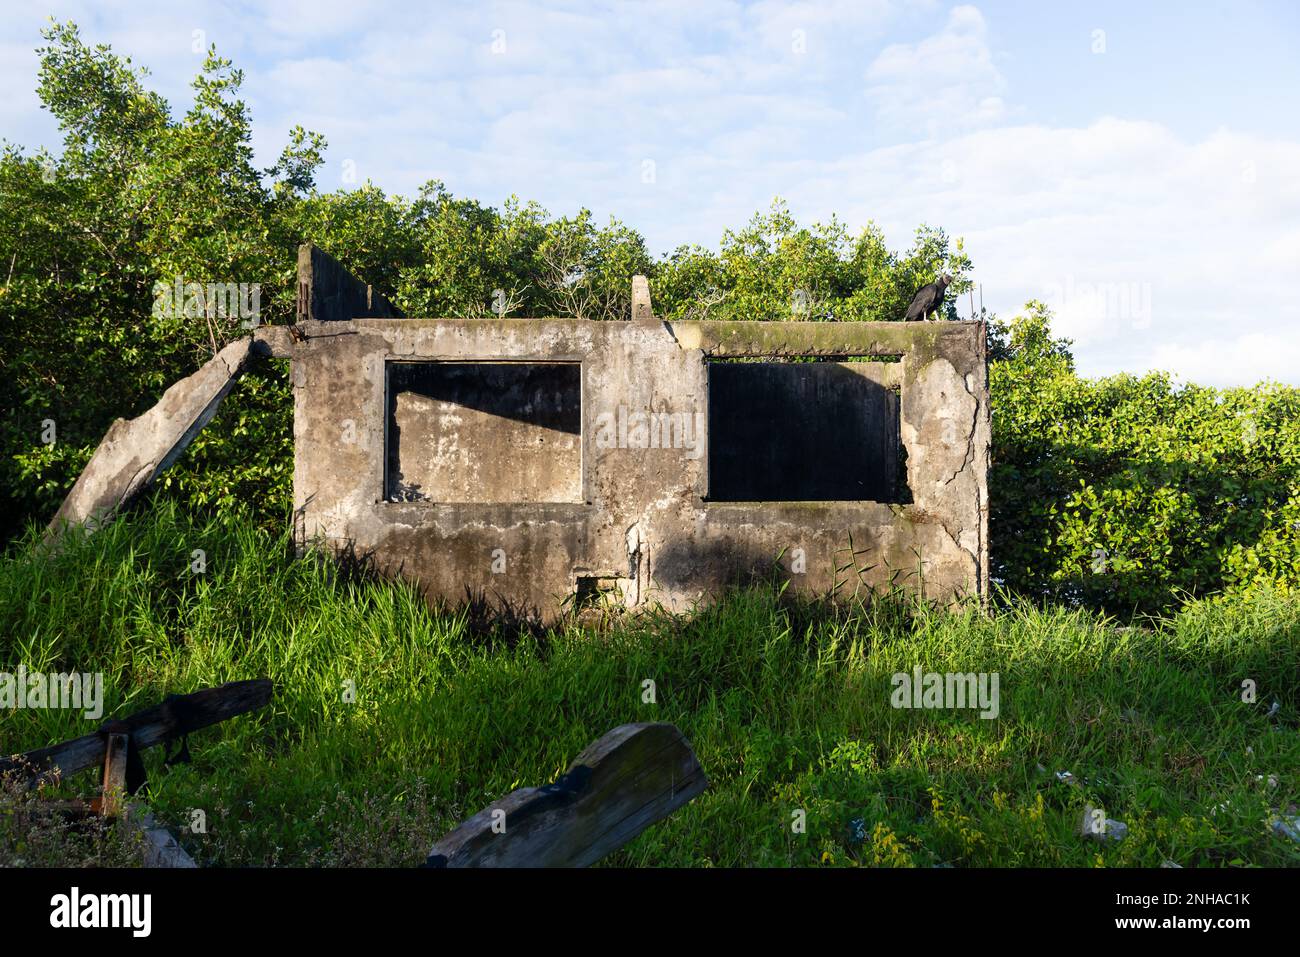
[(1130, 492), (786, 704), (135, 198), (139, 198), (1175, 488), (776, 269)]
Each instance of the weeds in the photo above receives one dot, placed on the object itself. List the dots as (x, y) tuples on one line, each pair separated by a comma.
[(392, 722)]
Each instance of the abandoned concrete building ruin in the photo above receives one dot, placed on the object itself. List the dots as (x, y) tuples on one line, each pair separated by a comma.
[(543, 463)]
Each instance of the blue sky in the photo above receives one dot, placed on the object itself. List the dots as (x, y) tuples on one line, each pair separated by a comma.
[(1136, 165)]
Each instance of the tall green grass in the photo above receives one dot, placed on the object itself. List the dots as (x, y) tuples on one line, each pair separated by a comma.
[(786, 702)]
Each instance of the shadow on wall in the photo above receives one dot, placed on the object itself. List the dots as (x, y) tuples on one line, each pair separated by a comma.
[(484, 432)]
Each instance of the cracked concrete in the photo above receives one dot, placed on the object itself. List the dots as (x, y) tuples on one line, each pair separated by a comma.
[(532, 462), (517, 516)]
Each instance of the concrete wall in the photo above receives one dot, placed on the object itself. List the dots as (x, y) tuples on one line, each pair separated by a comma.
[(524, 498)]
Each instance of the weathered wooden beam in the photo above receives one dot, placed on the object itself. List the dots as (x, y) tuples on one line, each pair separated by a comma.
[(113, 791), (327, 292), (133, 452), (621, 784), (178, 715)]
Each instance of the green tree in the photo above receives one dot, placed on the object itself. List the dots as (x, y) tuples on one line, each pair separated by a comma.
[(777, 269), (135, 199), (1129, 492), (1121, 492)]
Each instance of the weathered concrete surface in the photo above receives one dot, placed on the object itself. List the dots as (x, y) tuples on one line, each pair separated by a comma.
[(439, 412), (161, 849), (132, 453), (273, 342), (643, 521), (641, 307), (327, 292)]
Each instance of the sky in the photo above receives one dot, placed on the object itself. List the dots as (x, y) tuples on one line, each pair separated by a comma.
[(1136, 166)]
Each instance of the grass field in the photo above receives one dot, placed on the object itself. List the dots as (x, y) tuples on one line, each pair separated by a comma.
[(787, 703)]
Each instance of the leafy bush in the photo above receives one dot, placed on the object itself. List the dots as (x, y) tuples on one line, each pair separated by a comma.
[(1131, 492), (1121, 493)]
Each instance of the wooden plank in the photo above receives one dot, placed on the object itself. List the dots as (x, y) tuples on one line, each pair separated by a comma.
[(177, 716), (113, 789), (634, 776)]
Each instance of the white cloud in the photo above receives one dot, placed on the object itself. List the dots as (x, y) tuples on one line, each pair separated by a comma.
[(1233, 361), (1146, 244), (946, 79), (1159, 248)]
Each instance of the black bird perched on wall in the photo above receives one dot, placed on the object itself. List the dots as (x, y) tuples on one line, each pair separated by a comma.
[(927, 300)]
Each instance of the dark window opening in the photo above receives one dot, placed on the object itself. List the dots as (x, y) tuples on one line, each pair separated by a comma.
[(803, 431)]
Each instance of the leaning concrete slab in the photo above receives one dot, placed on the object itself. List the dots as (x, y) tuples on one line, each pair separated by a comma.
[(134, 452)]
